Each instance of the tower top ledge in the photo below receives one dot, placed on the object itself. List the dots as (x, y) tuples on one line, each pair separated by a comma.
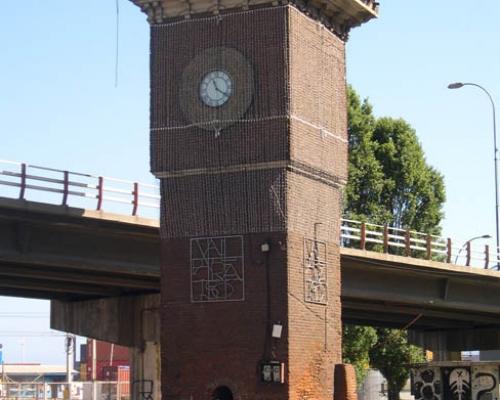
[(343, 14)]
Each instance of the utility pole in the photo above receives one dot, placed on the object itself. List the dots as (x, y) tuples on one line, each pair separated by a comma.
[(458, 85), (2, 380), (69, 362), (23, 353), (94, 369)]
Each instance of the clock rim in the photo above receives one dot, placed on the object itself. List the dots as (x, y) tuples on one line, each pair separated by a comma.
[(229, 78), (242, 74)]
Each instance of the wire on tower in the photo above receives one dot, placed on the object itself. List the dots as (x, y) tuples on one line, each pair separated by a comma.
[(117, 40)]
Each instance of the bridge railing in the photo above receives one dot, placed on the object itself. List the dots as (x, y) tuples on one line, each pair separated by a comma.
[(65, 186), (49, 185), (387, 239), (406, 242)]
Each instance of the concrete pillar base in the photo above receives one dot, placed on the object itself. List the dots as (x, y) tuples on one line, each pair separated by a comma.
[(127, 321)]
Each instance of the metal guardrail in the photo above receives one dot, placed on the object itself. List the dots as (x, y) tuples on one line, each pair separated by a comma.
[(409, 243), (103, 192), (66, 184)]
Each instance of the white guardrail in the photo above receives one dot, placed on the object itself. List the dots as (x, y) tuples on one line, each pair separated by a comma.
[(49, 185), (65, 187)]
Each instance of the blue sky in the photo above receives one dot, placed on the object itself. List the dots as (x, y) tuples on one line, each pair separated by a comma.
[(59, 106)]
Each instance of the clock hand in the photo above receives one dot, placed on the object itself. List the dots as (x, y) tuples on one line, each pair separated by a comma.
[(217, 88)]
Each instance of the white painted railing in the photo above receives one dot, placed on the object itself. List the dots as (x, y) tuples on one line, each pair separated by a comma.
[(65, 186), (408, 242), (31, 182), (386, 239)]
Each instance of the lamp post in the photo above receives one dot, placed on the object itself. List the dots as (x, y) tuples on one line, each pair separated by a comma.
[(468, 241), (458, 85)]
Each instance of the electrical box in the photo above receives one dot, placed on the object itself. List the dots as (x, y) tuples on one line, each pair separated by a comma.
[(272, 372)]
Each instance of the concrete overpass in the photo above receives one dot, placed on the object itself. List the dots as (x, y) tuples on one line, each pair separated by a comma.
[(63, 253), (83, 257)]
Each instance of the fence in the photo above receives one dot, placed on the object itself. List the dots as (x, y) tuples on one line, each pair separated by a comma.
[(99, 390), (409, 243), (66, 187)]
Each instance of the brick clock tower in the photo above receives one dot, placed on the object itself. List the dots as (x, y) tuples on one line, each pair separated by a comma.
[(249, 140)]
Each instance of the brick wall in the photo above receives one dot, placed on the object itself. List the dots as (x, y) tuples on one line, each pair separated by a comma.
[(318, 136), (315, 330), (206, 345), (261, 134), (274, 176), (224, 203), (318, 144)]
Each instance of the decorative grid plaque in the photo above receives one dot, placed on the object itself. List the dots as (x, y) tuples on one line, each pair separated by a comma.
[(217, 269), (315, 272)]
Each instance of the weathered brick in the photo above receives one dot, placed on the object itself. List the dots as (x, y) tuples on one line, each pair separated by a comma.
[(274, 177)]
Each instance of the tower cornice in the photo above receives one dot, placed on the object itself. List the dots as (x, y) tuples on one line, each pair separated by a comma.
[(338, 15)]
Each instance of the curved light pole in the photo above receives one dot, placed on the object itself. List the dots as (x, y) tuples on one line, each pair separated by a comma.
[(458, 85), (468, 241)]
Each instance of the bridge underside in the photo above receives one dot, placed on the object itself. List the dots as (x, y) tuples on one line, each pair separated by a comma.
[(444, 306), (55, 252), (73, 255)]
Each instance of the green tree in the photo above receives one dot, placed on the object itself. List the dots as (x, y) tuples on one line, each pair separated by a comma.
[(389, 183), (363, 196), (391, 355), (356, 344)]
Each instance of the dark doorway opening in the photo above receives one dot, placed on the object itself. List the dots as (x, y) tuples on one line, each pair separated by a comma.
[(222, 393)]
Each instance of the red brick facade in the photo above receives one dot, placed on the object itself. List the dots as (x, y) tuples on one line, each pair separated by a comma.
[(275, 176), (261, 134)]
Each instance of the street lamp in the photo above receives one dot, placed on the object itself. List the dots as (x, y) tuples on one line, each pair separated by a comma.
[(468, 241), (458, 85)]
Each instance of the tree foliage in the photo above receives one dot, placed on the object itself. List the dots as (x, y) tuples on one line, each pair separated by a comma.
[(389, 183), (391, 355), (356, 344)]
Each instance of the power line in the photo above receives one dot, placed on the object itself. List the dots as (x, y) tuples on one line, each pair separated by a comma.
[(117, 49), (26, 315), (31, 334)]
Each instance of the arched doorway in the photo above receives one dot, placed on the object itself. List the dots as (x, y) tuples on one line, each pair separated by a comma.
[(222, 393)]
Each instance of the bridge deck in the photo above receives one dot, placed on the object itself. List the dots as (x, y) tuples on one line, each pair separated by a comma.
[(55, 252), (389, 290)]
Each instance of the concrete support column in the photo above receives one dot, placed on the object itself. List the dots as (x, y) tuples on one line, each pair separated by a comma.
[(146, 371), (127, 321)]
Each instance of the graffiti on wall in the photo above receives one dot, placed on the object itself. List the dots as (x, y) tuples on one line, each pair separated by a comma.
[(427, 383), (456, 383), (485, 383)]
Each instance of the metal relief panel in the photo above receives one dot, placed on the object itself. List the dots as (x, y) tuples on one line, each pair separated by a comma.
[(485, 382), (427, 383), (315, 272), (217, 269)]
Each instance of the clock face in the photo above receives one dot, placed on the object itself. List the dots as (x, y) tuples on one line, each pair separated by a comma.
[(216, 88)]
